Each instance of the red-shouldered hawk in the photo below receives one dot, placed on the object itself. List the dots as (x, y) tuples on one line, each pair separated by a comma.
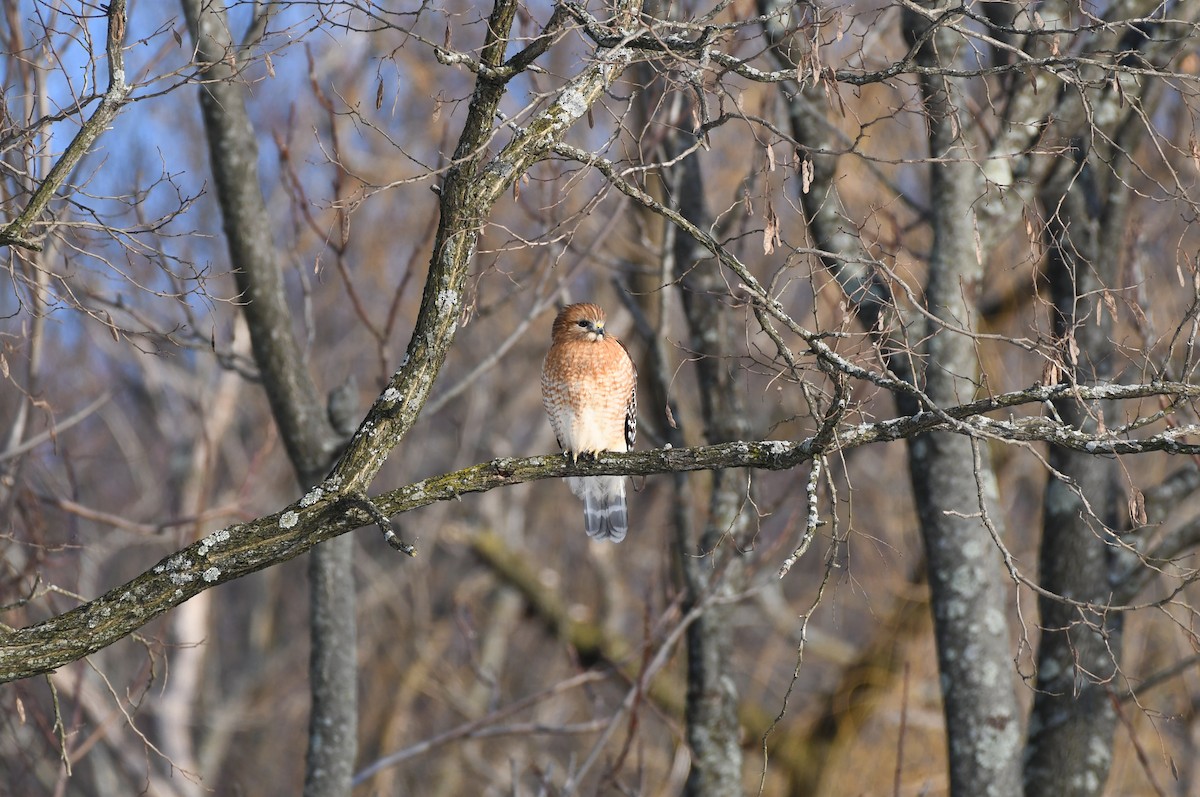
[(589, 389)]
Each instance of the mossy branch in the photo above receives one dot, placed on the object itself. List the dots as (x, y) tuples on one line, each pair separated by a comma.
[(330, 510)]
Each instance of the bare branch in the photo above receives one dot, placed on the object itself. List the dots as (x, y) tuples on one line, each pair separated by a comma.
[(115, 98)]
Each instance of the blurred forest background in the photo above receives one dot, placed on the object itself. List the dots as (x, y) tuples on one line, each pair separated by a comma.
[(805, 219)]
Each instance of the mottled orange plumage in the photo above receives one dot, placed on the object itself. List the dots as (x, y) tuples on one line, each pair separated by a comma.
[(589, 389)]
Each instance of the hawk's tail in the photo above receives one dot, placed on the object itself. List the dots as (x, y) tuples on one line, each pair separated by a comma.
[(604, 514)]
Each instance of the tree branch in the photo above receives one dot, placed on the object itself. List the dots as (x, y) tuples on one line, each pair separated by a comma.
[(324, 512), (115, 98)]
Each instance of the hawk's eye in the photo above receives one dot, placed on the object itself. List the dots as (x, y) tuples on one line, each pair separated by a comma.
[(582, 324)]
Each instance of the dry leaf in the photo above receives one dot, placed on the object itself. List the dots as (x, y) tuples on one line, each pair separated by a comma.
[(1051, 373), (1110, 303), (771, 232), (1137, 507), (1139, 314)]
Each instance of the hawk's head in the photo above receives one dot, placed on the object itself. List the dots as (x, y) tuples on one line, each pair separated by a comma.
[(579, 322)]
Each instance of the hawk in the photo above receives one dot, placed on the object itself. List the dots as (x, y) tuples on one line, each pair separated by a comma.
[(589, 390)]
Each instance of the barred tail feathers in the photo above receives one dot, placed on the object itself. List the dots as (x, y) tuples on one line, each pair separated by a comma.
[(605, 516)]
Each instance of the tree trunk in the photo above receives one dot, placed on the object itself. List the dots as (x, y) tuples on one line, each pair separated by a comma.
[(952, 475), (307, 434), (710, 562), (714, 561), (1073, 715)]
